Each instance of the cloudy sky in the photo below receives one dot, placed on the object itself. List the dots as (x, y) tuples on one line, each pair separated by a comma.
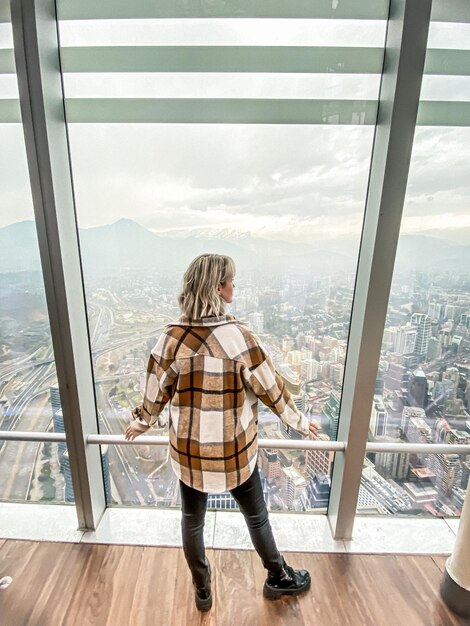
[(298, 183)]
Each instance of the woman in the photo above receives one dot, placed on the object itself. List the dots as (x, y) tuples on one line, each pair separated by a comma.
[(212, 369)]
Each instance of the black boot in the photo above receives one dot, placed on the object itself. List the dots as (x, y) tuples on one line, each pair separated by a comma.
[(203, 595), (287, 582)]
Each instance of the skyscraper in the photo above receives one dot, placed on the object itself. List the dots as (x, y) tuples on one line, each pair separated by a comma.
[(443, 391), (408, 413), (293, 488), (434, 349), (270, 464), (319, 461), (419, 432), (391, 465), (405, 340), (422, 323), (378, 418), (331, 411), (63, 454), (309, 369), (447, 470), (318, 491), (418, 390), (435, 311), (256, 322)]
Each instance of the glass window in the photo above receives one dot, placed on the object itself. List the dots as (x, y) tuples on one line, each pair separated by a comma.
[(423, 384), (29, 398), (248, 137)]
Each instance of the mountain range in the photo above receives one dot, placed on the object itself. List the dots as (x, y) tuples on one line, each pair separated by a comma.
[(125, 244)]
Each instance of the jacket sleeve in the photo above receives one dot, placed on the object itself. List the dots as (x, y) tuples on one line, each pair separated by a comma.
[(267, 384), (160, 387)]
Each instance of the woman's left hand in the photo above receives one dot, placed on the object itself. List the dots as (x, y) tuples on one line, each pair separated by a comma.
[(132, 432), (313, 427)]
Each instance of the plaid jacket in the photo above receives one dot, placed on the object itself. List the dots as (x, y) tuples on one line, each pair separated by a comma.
[(212, 371)]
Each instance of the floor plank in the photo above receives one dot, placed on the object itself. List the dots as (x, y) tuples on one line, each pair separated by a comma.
[(440, 562), (64, 584)]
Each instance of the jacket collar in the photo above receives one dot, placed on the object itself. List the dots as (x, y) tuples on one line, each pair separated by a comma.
[(205, 321)]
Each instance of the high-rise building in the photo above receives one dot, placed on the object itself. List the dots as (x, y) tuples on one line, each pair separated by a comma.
[(324, 354), (408, 413), (450, 311), (331, 411), (379, 383), (227, 502), (434, 349), (291, 378), (378, 418), (435, 311), (391, 465), (447, 470), (224, 501), (256, 322), (313, 344), (318, 491), (465, 319), (63, 454), (420, 486), (300, 340), (405, 340), (287, 344), (397, 378), (390, 495), (55, 399), (411, 361), (270, 464), (294, 358), (300, 401), (443, 391), (465, 475), (389, 338), (445, 337), (456, 344), (319, 461), (453, 374), (458, 437), (309, 370), (336, 373), (418, 390), (293, 488), (419, 432), (422, 323), (441, 430), (324, 369)]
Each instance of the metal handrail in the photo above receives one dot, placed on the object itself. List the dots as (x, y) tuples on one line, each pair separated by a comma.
[(277, 444)]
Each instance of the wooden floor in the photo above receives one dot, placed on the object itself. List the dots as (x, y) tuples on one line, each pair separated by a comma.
[(85, 584)]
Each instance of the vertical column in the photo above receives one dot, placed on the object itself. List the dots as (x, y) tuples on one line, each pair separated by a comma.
[(405, 51), (42, 108), (455, 588)]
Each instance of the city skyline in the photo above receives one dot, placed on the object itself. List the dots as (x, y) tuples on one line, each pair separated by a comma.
[(305, 328)]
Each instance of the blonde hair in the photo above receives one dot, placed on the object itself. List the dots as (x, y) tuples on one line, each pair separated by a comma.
[(199, 296)]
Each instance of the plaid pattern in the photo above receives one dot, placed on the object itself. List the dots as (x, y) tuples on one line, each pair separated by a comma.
[(212, 371)]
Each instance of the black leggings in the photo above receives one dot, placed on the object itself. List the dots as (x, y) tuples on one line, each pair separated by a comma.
[(250, 499)]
